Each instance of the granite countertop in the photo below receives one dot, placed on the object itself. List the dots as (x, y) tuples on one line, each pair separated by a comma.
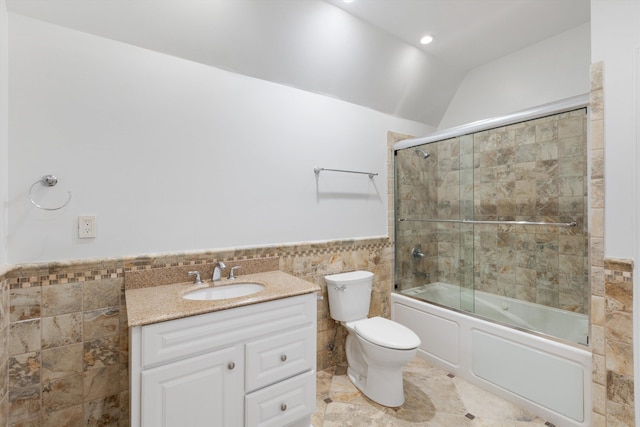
[(160, 303)]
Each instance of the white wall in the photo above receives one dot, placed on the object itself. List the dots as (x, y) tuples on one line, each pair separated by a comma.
[(554, 69), (616, 40), (319, 47), (174, 155), (4, 161)]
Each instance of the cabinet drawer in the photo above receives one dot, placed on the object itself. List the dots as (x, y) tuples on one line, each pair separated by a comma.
[(278, 357), (282, 403), (180, 338)]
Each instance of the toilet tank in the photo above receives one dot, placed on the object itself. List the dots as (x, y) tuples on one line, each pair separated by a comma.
[(349, 295)]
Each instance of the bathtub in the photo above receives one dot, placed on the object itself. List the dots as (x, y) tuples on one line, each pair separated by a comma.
[(547, 377), (562, 324)]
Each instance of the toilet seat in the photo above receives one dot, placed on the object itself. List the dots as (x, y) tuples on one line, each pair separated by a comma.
[(386, 333)]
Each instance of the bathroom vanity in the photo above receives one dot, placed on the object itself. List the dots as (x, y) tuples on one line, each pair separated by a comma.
[(249, 365)]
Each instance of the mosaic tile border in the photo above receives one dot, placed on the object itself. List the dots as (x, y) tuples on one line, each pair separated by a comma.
[(56, 273)]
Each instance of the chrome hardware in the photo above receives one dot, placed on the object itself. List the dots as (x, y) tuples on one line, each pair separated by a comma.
[(232, 274), (421, 274), (283, 407), (471, 221), (317, 171), (217, 271), (283, 357), (417, 252), (231, 365), (320, 298), (198, 280), (340, 288), (47, 181)]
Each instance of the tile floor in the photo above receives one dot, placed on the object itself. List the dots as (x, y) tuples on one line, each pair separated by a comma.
[(433, 398)]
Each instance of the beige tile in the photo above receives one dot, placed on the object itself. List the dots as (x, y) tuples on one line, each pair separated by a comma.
[(431, 399), (599, 398), (619, 357), (101, 293), (101, 382), (597, 164), (61, 299), (597, 339), (102, 322), (619, 388), (24, 404), (62, 393), (59, 362), (597, 134), (24, 336), (598, 420), (619, 326), (101, 352), (619, 414), (597, 105), (68, 417), (24, 370), (598, 368), (103, 411), (619, 296), (24, 303), (597, 222), (61, 330), (597, 193), (596, 75)]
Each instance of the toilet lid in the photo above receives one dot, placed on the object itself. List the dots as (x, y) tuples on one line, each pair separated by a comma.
[(386, 333)]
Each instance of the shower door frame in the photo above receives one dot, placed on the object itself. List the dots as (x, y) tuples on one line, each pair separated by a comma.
[(554, 108)]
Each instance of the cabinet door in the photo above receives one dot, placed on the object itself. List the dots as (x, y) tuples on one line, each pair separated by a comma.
[(201, 391)]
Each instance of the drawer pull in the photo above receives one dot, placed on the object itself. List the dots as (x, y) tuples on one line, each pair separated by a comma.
[(283, 407), (283, 357), (231, 365)]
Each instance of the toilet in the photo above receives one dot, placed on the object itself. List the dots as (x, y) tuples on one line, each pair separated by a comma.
[(377, 348)]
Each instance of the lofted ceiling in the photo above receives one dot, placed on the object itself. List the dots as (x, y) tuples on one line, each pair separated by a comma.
[(365, 52), (469, 33)]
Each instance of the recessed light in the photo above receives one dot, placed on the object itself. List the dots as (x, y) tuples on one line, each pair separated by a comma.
[(426, 39), (348, 1)]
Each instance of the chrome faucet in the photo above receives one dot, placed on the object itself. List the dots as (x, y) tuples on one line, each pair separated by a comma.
[(198, 279), (232, 274), (217, 271)]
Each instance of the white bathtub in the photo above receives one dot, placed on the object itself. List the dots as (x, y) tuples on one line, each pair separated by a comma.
[(562, 324), (547, 377)]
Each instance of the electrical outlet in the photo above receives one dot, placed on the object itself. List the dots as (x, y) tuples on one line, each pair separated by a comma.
[(86, 227)]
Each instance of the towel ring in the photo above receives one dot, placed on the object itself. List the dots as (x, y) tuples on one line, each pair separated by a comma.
[(48, 181)]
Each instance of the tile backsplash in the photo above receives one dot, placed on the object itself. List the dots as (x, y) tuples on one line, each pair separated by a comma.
[(63, 326)]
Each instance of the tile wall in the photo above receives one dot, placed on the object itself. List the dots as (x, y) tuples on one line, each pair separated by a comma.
[(611, 294), (4, 348), (65, 336), (531, 171)]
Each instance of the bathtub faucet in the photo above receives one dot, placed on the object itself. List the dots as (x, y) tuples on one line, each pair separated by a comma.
[(417, 252)]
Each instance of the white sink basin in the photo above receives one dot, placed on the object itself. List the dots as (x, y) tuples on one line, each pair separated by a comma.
[(223, 292)]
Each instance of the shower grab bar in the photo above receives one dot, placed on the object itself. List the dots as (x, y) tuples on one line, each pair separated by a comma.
[(471, 221), (317, 171)]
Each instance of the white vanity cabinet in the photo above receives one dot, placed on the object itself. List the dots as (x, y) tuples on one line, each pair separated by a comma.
[(247, 366)]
